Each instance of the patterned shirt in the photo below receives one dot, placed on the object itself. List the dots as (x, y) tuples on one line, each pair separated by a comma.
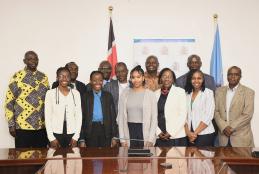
[(24, 103), (151, 82)]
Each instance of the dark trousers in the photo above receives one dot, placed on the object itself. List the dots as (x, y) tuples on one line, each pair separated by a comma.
[(31, 138), (204, 140), (136, 133), (97, 136), (63, 139), (172, 142)]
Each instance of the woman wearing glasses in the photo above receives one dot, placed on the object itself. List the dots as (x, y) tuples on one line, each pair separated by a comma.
[(63, 115)]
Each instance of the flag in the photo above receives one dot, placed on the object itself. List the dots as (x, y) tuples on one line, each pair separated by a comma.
[(112, 53), (216, 61)]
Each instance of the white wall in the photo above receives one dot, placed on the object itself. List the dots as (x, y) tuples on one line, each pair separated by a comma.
[(65, 30)]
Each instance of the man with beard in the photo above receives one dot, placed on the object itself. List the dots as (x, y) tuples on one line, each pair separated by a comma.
[(24, 104), (151, 74)]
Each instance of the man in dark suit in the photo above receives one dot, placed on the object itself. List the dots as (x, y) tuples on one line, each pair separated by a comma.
[(115, 87), (194, 62), (75, 84), (99, 118)]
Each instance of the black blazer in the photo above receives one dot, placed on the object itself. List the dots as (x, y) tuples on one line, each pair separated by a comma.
[(109, 116)]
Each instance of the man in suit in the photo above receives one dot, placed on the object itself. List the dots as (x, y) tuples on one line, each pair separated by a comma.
[(194, 62), (75, 84), (234, 110), (115, 87), (99, 118)]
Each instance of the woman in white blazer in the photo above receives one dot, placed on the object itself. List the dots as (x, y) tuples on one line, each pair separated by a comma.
[(137, 113), (63, 115), (172, 111), (200, 108)]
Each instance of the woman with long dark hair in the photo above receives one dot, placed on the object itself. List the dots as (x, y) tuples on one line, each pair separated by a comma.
[(200, 108), (137, 113)]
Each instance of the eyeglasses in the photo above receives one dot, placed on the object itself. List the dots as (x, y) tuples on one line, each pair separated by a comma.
[(63, 77), (234, 74)]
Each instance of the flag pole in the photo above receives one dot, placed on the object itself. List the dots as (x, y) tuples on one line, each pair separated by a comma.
[(110, 8), (215, 19)]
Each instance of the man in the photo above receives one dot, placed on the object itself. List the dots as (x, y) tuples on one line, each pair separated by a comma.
[(99, 118), (75, 84), (24, 104), (151, 74), (106, 68), (115, 87), (234, 110), (194, 62)]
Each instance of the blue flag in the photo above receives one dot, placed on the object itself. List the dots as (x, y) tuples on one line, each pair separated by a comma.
[(216, 61)]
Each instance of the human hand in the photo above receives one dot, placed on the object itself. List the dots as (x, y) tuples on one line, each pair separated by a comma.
[(114, 143), (12, 131), (82, 144), (73, 143), (192, 136), (54, 144), (228, 131), (124, 144)]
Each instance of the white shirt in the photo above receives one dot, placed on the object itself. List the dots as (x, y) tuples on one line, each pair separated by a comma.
[(56, 104), (229, 97), (202, 110), (122, 86)]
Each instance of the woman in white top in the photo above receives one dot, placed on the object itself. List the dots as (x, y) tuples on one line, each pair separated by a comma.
[(137, 113), (172, 111), (63, 115), (200, 108)]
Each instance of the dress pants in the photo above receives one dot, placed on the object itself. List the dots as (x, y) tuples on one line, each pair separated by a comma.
[(31, 138)]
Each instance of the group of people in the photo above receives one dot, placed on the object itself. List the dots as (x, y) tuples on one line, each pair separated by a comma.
[(150, 109)]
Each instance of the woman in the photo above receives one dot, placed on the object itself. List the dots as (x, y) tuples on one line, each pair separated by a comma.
[(63, 115), (171, 111), (137, 113), (200, 108)]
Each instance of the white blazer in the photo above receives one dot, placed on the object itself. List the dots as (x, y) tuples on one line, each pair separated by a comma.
[(202, 110), (54, 113), (175, 112)]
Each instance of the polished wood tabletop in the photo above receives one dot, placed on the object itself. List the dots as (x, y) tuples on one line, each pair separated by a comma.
[(116, 160)]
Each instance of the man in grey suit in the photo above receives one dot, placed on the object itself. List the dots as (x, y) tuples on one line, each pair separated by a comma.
[(115, 87), (194, 62), (233, 111)]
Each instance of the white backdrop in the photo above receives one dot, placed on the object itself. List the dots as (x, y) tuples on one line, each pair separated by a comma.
[(65, 30)]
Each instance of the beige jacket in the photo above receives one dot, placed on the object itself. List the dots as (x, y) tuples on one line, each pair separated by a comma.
[(149, 116), (240, 115)]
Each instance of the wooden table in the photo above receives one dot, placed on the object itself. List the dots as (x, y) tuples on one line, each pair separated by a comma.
[(116, 160)]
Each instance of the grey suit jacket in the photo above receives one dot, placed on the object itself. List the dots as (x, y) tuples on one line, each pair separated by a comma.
[(113, 88), (240, 114), (209, 81)]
